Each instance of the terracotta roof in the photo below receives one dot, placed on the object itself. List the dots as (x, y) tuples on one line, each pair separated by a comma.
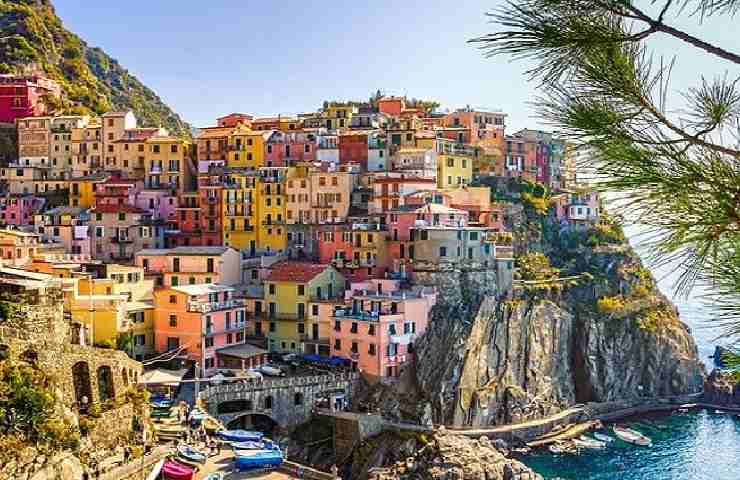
[(214, 132), (299, 272), (125, 208)]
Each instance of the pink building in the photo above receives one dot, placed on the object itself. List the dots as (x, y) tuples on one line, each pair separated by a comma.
[(578, 208), (286, 149), (117, 191), (389, 191), (200, 319), (161, 203), (191, 265), (378, 325), (65, 225), (19, 209)]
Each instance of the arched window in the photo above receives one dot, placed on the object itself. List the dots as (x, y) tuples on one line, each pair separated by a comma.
[(268, 402), (81, 382), (105, 383)]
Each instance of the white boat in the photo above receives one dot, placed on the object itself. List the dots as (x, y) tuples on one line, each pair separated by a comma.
[(632, 436), (191, 454), (556, 449), (590, 443), (603, 437)]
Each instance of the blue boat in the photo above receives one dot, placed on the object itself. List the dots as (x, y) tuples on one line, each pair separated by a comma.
[(164, 403), (249, 459), (240, 436)]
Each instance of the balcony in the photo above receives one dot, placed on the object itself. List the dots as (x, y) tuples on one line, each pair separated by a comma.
[(233, 328), (208, 307), (404, 339)]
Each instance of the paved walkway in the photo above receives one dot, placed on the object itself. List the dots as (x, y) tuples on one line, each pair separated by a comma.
[(222, 463)]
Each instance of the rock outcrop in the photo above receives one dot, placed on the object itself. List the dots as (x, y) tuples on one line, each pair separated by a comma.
[(451, 457), (487, 361), (722, 388)]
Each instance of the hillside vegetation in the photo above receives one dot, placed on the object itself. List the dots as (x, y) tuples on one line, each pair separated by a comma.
[(33, 38)]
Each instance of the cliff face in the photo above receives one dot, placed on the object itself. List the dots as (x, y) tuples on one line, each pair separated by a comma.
[(485, 361)]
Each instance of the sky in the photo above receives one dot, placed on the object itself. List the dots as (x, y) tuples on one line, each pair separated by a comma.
[(207, 59)]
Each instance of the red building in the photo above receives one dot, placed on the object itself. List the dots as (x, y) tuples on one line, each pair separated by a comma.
[(353, 148), (23, 96), (211, 215), (116, 191), (234, 119), (185, 228), (391, 105)]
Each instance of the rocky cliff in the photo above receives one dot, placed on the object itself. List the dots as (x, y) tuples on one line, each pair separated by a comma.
[(609, 336)]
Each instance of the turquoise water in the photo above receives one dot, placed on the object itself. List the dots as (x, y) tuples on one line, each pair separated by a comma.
[(698, 445)]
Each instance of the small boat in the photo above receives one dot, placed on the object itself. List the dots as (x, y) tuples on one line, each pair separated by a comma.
[(215, 476), (240, 435), (161, 413), (632, 436), (556, 449), (719, 412), (191, 454), (162, 403), (248, 459), (156, 470), (602, 437), (586, 442), (197, 415), (176, 471)]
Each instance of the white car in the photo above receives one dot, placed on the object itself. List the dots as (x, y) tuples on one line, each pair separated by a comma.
[(271, 371)]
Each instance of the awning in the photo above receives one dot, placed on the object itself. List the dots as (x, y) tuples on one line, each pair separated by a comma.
[(162, 377)]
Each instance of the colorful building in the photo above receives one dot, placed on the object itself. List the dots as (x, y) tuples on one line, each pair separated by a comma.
[(25, 96), (191, 265), (67, 226), (289, 287), (378, 325), (197, 320), (454, 171)]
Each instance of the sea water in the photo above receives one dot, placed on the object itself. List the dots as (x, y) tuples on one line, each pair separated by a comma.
[(697, 445)]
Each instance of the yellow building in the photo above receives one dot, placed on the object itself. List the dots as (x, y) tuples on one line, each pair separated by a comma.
[(82, 190), (166, 163), (271, 209), (239, 204), (87, 148), (246, 148), (338, 115), (289, 288), (454, 171), (141, 331), (103, 316)]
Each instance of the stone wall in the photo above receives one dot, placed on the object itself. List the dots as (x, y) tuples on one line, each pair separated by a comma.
[(62, 359)]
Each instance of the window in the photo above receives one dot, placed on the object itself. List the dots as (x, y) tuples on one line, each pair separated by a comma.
[(173, 321), (354, 348), (450, 162), (301, 290), (337, 326), (229, 339), (176, 265), (337, 344), (425, 235), (301, 328), (173, 299), (209, 342), (268, 402), (371, 330), (371, 349), (353, 328), (271, 288), (272, 327), (175, 281), (442, 251), (209, 266)]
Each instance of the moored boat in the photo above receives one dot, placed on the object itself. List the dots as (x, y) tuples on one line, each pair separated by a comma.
[(240, 435), (191, 454), (176, 471), (586, 442), (602, 437), (632, 436)]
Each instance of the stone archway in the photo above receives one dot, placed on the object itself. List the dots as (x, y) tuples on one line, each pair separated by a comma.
[(106, 390), (81, 382), (255, 421), (30, 356), (234, 406)]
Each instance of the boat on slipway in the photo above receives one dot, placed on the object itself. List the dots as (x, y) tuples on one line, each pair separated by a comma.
[(240, 436), (176, 471), (191, 454), (251, 459)]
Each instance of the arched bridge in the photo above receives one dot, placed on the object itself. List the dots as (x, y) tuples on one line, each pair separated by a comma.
[(288, 402)]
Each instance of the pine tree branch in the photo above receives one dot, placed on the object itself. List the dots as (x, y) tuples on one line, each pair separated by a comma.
[(659, 26)]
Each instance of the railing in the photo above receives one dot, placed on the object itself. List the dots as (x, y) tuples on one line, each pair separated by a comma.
[(207, 307), (230, 329), (235, 389)]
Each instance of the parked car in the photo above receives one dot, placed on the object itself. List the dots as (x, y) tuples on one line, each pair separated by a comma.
[(271, 370)]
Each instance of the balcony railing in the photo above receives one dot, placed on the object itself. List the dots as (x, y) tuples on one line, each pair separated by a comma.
[(208, 307)]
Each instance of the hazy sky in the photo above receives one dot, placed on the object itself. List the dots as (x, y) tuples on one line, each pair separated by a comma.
[(206, 59)]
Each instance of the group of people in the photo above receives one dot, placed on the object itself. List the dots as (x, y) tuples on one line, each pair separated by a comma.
[(196, 433)]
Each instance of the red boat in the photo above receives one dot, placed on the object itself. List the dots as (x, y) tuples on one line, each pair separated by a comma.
[(176, 471)]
